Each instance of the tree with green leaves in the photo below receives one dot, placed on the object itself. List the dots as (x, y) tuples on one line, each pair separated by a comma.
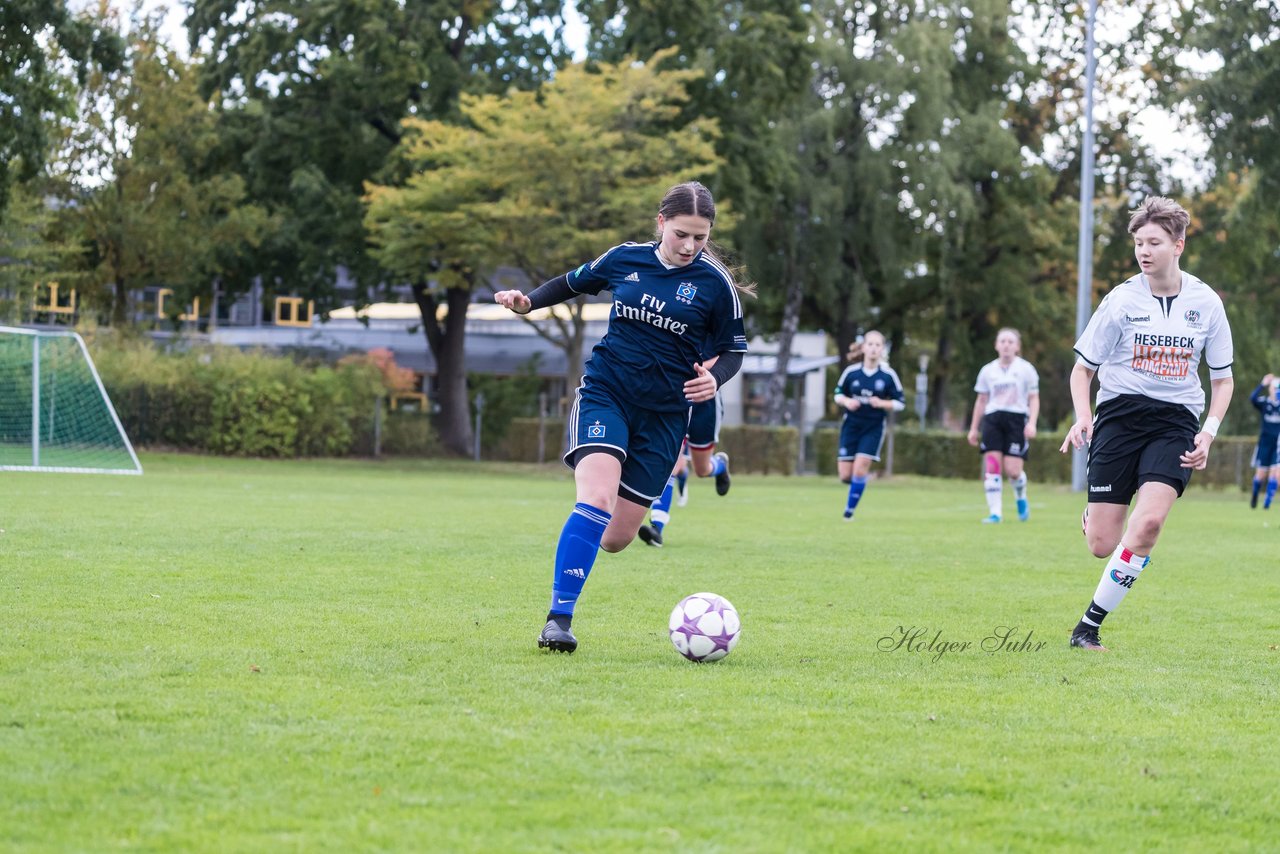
[(1233, 98), (757, 62), (151, 204), (541, 181), (312, 97), (35, 251), (43, 47), (1235, 232), (1232, 244)]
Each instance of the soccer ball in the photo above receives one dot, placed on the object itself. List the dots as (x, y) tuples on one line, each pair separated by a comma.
[(704, 627)]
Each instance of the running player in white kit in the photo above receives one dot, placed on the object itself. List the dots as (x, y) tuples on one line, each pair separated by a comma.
[(1145, 343), (1004, 423)]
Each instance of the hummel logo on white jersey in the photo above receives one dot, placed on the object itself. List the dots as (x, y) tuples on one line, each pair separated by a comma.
[(576, 572), (632, 277)]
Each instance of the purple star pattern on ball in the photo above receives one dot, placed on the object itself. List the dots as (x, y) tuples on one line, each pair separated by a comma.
[(704, 627)]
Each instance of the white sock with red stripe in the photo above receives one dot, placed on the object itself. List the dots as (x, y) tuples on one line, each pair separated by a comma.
[(1121, 572)]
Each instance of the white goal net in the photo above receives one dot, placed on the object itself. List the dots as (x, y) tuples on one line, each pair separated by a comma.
[(54, 413)]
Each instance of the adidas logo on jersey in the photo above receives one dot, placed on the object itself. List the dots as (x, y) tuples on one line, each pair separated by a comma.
[(632, 277)]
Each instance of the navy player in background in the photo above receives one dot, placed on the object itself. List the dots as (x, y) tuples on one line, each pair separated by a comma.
[(1004, 419), (671, 296), (1145, 343), (1266, 457), (867, 391), (700, 443), (704, 433), (660, 512)]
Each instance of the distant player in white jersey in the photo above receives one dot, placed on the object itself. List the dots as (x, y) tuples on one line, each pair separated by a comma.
[(1004, 423), (1145, 343)]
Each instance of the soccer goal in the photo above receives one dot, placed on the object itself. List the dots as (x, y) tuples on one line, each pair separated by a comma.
[(54, 413)]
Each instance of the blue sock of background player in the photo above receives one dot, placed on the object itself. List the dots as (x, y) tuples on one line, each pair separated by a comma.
[(660, 513), (717, 465), (856, 486)]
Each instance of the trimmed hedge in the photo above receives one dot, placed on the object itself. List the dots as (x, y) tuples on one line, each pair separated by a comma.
[(935, 453), (752, 448), (761, 450), (409, 434), (220, 400)]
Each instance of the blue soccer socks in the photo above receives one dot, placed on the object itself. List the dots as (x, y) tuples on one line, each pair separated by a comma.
[(719, 465), (660, 513), (1271, 493), (575, 555), (856, 487)]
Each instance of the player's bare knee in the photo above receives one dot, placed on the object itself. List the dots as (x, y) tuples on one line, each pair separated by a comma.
[(1103, 546), (613, 545), (1143, 532), (603, 499)]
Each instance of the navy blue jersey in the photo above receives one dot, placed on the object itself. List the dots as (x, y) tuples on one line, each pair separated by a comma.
[(1269, 406), (662, 320), (856, 382)]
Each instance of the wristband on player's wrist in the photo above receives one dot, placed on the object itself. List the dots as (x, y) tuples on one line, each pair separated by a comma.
[(1211, 425)]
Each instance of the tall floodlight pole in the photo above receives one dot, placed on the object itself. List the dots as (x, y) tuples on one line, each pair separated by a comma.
[(1084, 280)]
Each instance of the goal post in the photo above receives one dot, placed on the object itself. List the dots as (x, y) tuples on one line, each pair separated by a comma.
[(55, 415)]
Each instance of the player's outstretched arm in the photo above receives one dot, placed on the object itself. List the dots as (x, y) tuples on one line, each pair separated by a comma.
[(551, 292)]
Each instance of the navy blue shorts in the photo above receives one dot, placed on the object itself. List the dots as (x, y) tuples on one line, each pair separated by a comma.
[(646, 442), (704, 423), (860, 438), (1267, 454)]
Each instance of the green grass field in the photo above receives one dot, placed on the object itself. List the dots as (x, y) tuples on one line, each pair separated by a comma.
[(229, 655)]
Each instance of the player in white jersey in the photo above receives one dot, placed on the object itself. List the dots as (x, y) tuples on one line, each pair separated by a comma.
[(1145, 343), (1007, 406)]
